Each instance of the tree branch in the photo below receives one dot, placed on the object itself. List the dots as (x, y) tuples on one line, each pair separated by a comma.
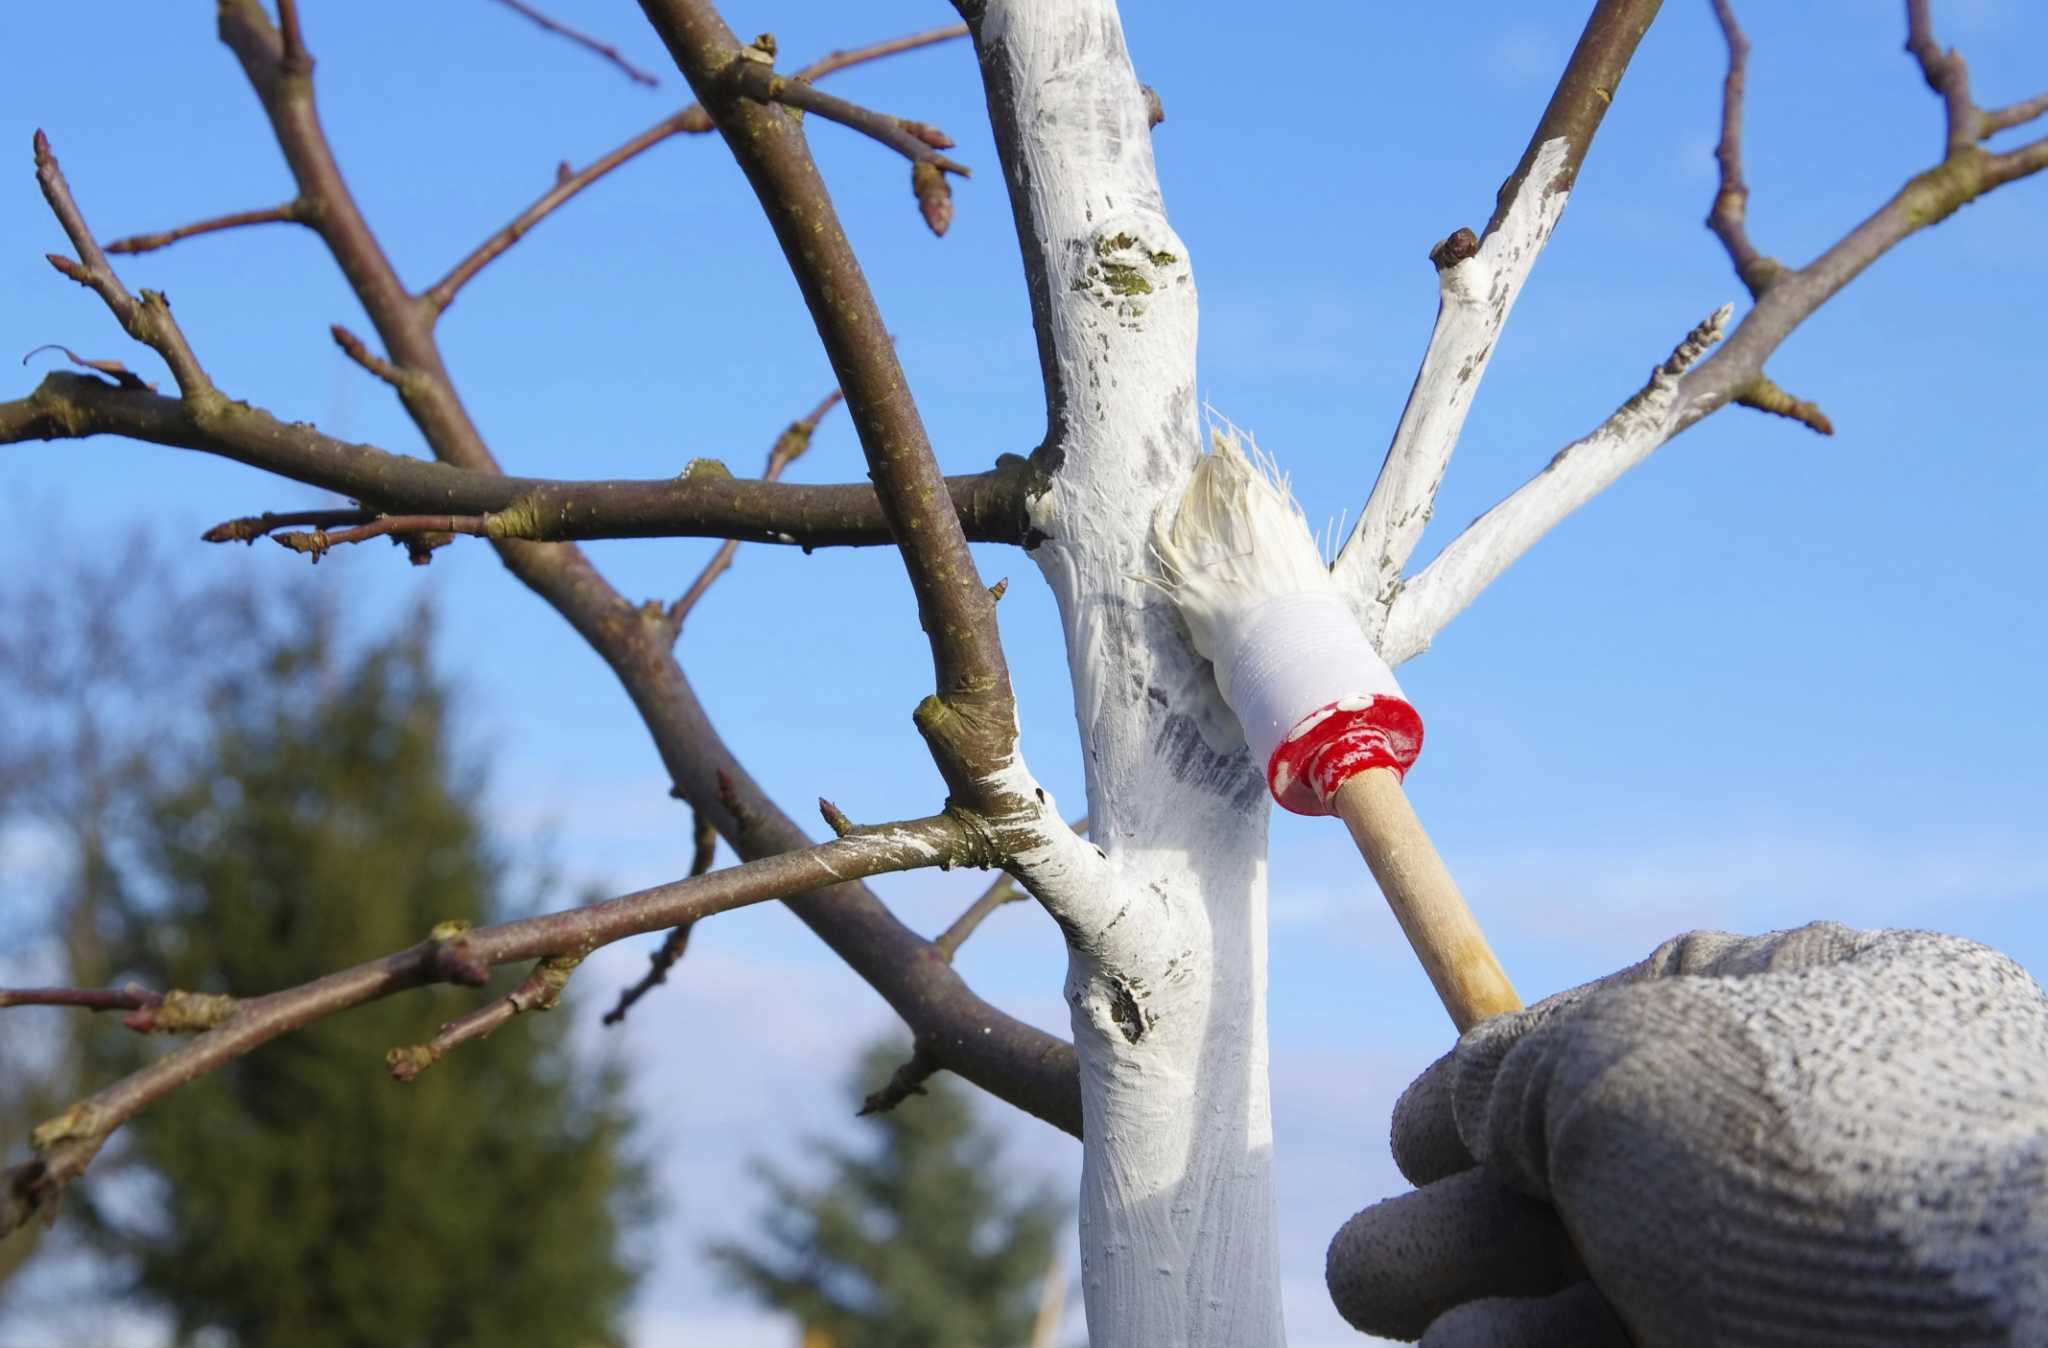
[(1579, 103), (249, 528), (678, 939), (148, 320), (788, 448), (416, 532), (1966, 172), (173, 1012), (1764, 395), (582, 39), (1995, 120), (904, 1082), (1002, 890), (541, 990), (66, 1145), (1731, 201), (1734, 373), (915, 141), (131, 997), (971, 721), (1581, 471), (692, 120), (704, 502), (1478, 288), (289, 213), (1012, 1060), (1946, 74), (357, 350)]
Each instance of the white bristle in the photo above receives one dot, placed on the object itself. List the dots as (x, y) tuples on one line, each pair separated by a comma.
[(1235, 540), (1238, 557)]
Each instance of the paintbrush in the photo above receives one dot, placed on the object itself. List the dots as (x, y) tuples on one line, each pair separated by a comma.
[(1320, 709)]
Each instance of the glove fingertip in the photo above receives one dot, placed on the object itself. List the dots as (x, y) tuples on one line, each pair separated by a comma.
[(1425, 1137), (1579, 1315)]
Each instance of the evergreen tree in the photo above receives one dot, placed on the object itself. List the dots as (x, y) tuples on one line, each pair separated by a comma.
[(910, 1244), (301, 1197)]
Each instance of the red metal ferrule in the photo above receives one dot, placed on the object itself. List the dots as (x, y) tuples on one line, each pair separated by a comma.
[(1331, 744)]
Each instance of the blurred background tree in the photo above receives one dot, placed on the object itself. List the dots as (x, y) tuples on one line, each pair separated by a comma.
[(912, 1242), (316, 812)]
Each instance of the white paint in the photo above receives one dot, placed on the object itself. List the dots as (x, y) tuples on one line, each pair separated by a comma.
[(1581, 471), (1166, 930), (1063, 871), (1476, 297)]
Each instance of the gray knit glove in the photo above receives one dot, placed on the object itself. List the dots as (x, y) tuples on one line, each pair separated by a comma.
[(1816, 1137)]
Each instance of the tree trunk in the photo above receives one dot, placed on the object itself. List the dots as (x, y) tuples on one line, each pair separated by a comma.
[(1167, 968)]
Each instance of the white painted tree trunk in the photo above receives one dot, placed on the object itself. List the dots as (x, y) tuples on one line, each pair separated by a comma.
[(1167, 975)]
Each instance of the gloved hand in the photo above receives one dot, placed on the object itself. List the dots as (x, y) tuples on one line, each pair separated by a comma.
[(1816, 1137)]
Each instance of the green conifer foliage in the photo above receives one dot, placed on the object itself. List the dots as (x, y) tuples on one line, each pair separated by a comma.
[(300, 1196), (914, 1242)]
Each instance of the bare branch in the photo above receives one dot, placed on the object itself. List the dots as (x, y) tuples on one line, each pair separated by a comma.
[(692, 120), (904, 1082), (249, 528), (1584, 469), (665, 958), (1579, 103), (173, 1012), (131, 997), (285, 89), (541, 990), (1946, 74), (788, 448), (704, 502), (970, 722), (1731, 203), (148, 320), (1967, 171), (678, 939), (1003, 889), (915, 141), (607, 51), (853, 56), (1992, 121), (1012, 1060), (293, 58), (358, 351), (1478, 290), (1765, 396), (399, 527), (67, 1144), (289, 213)]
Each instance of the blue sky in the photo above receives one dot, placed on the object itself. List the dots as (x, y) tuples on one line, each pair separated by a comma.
[(1765, 679)]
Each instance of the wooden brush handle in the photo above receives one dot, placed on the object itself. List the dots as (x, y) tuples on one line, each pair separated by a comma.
[(1468, 979)]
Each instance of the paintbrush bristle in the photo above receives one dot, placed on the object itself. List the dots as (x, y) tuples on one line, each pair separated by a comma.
[(1235, 538)]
